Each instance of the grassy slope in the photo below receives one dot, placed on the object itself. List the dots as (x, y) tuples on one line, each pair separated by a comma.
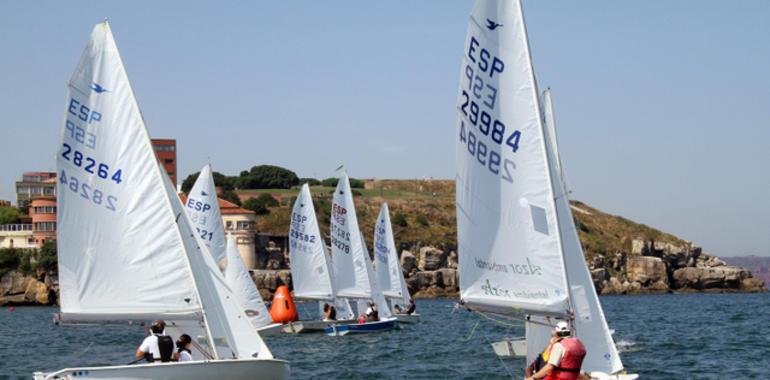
[(599, 233)]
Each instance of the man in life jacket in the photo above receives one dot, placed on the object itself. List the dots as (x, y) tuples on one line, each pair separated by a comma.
[(565, 358), (158, 346)]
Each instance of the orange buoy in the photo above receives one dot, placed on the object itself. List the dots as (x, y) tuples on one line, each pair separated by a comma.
[(282, 310)]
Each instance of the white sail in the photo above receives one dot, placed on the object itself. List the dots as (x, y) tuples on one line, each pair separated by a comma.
[(120, 253), (350, 271), (240, 282), (388, 268), (508, 235), (590, 324), (310, 264), (383, 310), (126, 246), (202, 206)]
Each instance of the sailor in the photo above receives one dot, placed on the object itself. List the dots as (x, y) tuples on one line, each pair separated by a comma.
[(183, 345), (158, 346), (410, 308), (371, 313), (330, 313), (565, 357)]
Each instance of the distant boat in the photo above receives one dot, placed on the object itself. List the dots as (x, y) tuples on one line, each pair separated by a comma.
[(353, 272), (388, 268), (202, 206), (127, 249), (518, 249), (311, 269)]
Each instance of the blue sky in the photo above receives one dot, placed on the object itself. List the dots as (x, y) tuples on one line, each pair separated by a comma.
[(663, 107)]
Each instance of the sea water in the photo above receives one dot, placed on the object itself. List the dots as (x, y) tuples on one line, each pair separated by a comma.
[(697, 336)]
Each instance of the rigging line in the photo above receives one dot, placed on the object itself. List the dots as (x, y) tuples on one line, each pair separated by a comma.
[(195, 343), (502, 362), (472, 331), (499, 321)]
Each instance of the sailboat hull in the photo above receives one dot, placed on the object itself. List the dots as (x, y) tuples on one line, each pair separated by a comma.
[(363, 328), (302, 327), (407, 318), (196, 370)]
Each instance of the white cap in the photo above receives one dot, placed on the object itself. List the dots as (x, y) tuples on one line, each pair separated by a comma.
[(561, 327)]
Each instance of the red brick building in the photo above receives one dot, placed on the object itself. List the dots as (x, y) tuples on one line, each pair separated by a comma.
[(165, 150), (42, 211)]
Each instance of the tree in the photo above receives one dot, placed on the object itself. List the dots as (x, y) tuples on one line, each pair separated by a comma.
[(260, 204), (9, 215), (9, 260), (221, 180), (354, 183), (267, 177), (231, 196), (310, 181), (47, 257), (399, 220), (422, 220)]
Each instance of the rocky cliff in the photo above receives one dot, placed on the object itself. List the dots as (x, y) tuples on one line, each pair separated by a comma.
[(624, 257), (19, 289)]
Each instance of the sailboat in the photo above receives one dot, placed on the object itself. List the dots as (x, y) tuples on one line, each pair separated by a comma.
[(202, 206), (127, 249), (518, 248), (353, 271), (388, 267), (311, 269)]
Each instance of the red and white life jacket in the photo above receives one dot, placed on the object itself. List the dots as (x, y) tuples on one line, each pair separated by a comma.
[(571, 362)]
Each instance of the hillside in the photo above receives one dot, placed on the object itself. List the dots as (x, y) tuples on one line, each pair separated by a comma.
[(758, 265), (624, 256)]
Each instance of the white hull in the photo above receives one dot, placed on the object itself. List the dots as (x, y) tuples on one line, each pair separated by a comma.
[(604, 376), (196, 370), (301, 327), (511, 347), (273, 329), (407, 318)]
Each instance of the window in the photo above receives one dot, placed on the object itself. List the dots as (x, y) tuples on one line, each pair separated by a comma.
[(229, 225), (164, 148), (244, 225), (45, 226), (45, 210), (168, 161)]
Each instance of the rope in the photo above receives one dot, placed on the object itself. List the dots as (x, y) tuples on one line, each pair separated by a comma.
[(499, 321), (195, 344), (502, 362)]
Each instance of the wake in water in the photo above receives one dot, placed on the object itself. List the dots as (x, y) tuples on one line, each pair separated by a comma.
[(627, 346)]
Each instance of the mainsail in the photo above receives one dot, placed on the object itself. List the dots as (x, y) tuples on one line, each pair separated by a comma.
[(518, 246), (126, 247), (508, 235), (310, 264), (202, 206), (389, 273), (350, 272)]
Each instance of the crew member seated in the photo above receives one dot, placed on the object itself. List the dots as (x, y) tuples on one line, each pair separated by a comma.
[(158, 346)]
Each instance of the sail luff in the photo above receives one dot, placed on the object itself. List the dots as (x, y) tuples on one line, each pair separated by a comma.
[(544, 146)]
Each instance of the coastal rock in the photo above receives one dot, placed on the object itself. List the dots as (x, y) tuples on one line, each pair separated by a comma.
[(449, 278), (613, 286), (36, 292), (430, 259), (408, 262), (658, 287), (275, 257), (646, 270), (451, 260), (752, 284), (718, 277), (13, 283), (269, 280), (427, 279), (599, 276)]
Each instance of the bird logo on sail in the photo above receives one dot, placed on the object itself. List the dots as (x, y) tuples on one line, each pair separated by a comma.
[(204, 194), (491, 25), (98, 88)]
